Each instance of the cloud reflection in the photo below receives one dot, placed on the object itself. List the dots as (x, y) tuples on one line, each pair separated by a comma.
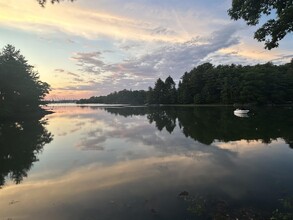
[(140, 168), (94, 183)]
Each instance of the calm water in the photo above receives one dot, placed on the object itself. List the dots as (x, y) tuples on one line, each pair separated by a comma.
[(147, 163)]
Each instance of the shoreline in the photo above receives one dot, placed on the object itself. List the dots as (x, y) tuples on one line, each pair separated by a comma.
[(171, 105), (38, 114)]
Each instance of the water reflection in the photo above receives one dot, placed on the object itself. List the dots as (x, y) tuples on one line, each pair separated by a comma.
[(21, 141), (158, 163), (207, 124)]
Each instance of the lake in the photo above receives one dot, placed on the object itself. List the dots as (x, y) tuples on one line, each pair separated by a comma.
[(111, 162)]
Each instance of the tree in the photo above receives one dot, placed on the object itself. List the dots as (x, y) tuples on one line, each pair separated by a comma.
[(43, 2), (159, 92), (20, 87), (184, 89), (273, 30), (170, 91)]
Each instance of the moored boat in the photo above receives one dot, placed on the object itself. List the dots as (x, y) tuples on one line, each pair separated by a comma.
[(241, 111)]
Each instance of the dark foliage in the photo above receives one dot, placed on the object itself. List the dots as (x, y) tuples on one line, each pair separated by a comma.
[(43, 2), (121, 97), (230, 84), (273, 30), (20, 87), (163, 92)]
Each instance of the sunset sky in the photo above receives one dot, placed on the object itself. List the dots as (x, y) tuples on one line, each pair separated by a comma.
[(91, 47)]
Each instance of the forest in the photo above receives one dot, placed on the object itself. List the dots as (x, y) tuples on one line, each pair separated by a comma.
[(261, 84), (121, 97)]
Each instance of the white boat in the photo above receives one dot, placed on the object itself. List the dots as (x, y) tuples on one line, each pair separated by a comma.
[(241, 115), (240, 111)]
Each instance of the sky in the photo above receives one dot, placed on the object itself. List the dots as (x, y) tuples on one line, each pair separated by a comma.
[(91, 48)]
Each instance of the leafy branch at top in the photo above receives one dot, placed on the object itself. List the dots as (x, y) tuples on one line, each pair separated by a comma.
[(43, 2), (273, 30)]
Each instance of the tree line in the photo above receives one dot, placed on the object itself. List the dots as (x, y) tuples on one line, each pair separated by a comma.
[(121, 97), (260, 84)]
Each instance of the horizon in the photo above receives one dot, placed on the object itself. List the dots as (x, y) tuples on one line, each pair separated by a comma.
[(86, 48)]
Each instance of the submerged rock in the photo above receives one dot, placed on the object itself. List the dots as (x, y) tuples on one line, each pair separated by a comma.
[(183, 194)]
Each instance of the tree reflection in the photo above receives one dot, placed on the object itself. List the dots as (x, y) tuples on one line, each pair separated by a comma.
[(20, 143), (163, 118), (208, 124)]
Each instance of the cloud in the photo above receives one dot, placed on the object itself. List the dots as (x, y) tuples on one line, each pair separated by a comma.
[(67, 72), (59, 70), (163, 59), (282, 58), (97, 184), (129, 133), (72, 74), (92, 144), (132, 46), (70, 41), (175, 59), (78, 80), (81, 87), (128, 45), (228, 56), (90, 62), (162, 31), (169, 59), (86, 22), (221, 58)]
